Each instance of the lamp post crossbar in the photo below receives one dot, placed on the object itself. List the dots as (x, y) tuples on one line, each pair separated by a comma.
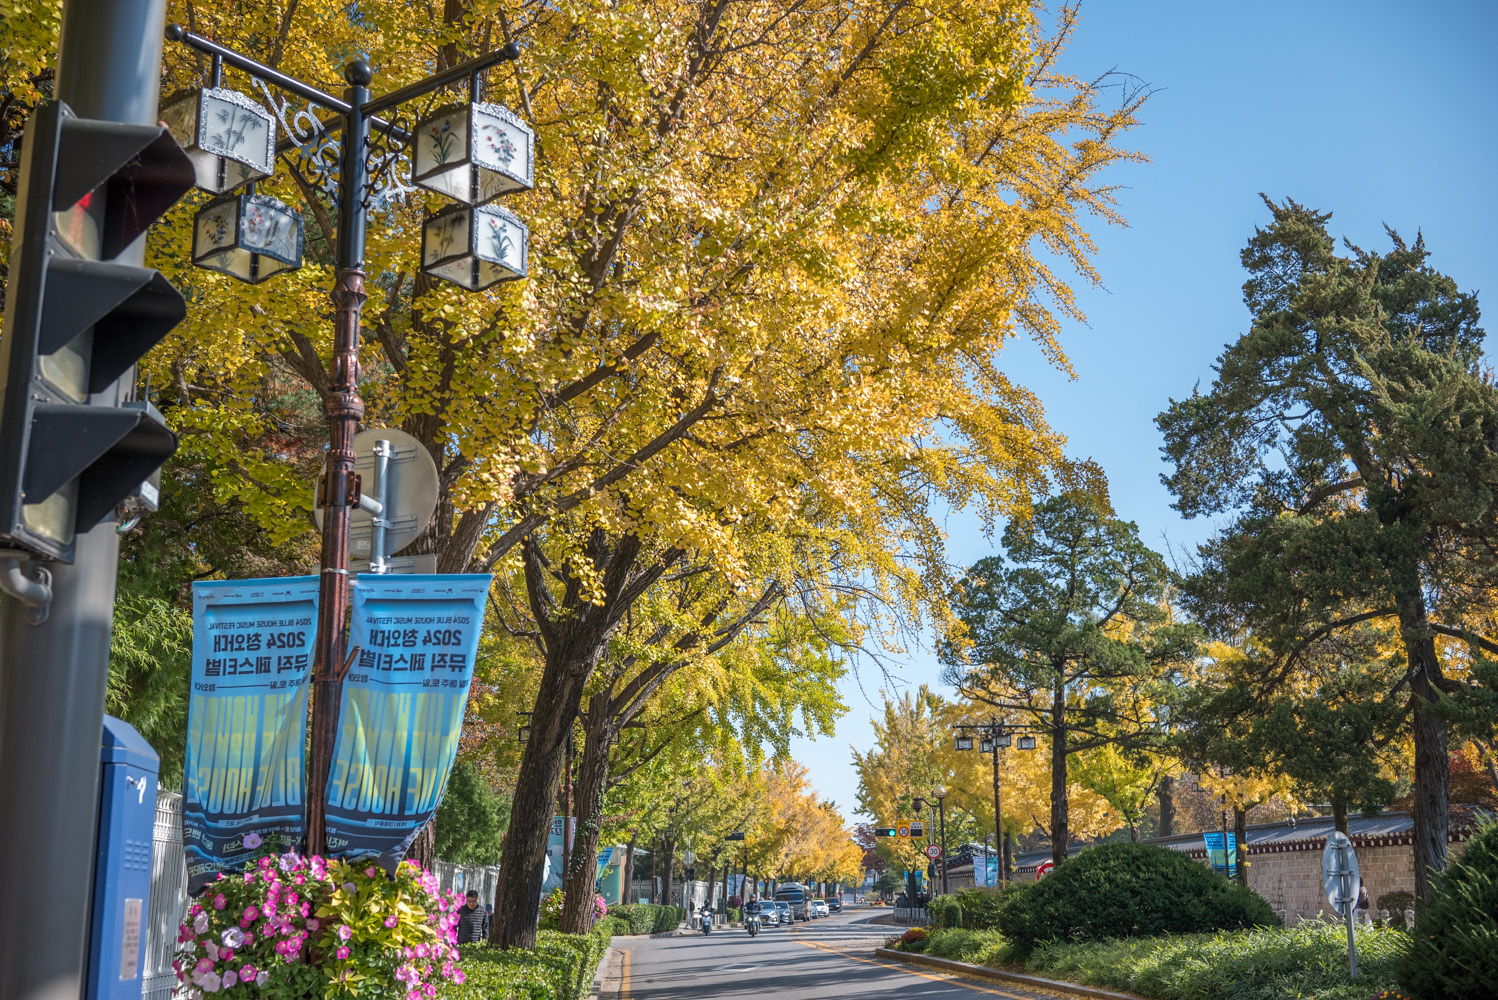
[(338, 489)]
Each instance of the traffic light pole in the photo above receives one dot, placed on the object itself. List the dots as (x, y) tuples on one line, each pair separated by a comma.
[(53, 674)]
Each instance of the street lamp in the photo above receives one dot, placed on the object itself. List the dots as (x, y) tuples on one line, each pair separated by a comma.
[(232, 142), (993, 736)]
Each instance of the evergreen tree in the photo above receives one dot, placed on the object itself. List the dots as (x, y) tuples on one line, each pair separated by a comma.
[(1349, 435)]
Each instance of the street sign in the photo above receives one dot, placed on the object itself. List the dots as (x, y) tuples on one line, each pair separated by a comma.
[(917, 828), (398, 488), (1045, 868), (1339, 873), (903, 830), (1343, 883), (933, 851)]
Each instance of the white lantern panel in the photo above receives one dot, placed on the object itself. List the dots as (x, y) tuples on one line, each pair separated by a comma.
[(271, 229), (505, 145), (230, 139), (250, 237), (502, 239), (446, 236), (440, 160)]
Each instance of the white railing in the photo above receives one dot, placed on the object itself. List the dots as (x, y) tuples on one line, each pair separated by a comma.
[(911, 915)]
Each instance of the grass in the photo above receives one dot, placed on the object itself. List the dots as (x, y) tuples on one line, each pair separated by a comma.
[(1306, 962)]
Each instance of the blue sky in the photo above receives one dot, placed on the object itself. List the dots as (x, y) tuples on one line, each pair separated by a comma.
[(1379, 112)]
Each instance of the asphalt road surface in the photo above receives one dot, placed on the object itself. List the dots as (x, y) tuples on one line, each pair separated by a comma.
[(831, 957)]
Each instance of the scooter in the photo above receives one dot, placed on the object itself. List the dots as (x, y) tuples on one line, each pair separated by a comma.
[(751, 923), (705, 919)]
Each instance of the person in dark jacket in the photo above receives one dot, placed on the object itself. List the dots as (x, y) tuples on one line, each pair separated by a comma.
[(471, 920)]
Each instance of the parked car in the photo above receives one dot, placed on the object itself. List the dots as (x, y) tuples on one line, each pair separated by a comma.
[(819, 908), (835, 904), (768, 913), (784, 912)]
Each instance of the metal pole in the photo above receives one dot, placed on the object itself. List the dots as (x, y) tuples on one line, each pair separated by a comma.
[(339, 486), (1349, 904), (381, 520), (941, 808), (1227, 865), (998, 811), (53, 675)]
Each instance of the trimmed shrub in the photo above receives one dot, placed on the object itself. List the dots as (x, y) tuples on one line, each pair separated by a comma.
[(1453, 950), (1129, 891), (981, 905), (649, 918), (561, 968), (945, 911)]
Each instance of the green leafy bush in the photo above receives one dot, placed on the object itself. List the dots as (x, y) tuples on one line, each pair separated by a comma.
[(1454, 944), (1125, 891), (613, 925), (561, 968), (981, 905), (945, 911), (914, 939), (1307, 961), (979, 947), (649, 918), (1396, 903)]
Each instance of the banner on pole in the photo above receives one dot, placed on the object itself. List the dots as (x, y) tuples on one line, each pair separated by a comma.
[(246, 722), (415, 638), (1213, 842)]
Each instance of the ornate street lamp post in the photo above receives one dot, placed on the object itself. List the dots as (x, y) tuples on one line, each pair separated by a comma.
[(231, 139), (993, 736)]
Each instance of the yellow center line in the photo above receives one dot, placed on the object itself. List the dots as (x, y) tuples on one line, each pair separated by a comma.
[(624, 978), (913, 972)]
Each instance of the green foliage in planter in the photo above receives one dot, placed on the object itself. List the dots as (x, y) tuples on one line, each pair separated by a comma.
[(1453, 950), (978, 947), (649, 918), (561, 968), (1307, 961), (914, 939), (945, 911), (981, 905), (1129, 890)]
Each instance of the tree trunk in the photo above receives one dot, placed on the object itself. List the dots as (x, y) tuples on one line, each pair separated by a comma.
[(1166, 794), (1339, 813), (423, 849), (1240, 837), (1432, 792), (668, 861), (589, 781), (1060, 826), (627, 882)]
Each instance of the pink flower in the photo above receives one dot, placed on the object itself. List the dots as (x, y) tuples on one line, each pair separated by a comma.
[(370, 872), (246, 972), (313, 923), (429, 990), (391, 920), (345, 932), (249, 877), (252, 840), (249, 939), (299, 880), (224, 954), (251, 912), (423, 950), (458, 977), (204, 964), (343, 951), (219, 902)]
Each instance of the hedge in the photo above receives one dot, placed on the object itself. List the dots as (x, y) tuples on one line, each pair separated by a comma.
[(1453, 950), (649, 918), (561, 968), (1128, 891)]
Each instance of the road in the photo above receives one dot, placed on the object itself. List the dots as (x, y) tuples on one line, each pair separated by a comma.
[(827, 958)]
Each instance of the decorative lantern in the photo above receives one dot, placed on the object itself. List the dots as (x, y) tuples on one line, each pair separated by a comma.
[(249, 236), (1004, 741), (474, 247), (1027, 743), (230, 138), (964, 743), (473, 153), (985, 746)]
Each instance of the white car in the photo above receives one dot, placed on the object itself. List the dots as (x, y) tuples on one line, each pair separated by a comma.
[(769, 916), (819, 908)]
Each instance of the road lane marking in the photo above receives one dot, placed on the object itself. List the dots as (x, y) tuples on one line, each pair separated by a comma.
[(900, 968), (624, 978)]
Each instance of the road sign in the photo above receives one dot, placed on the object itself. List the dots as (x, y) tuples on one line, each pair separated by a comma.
[(933, 851), (1045, 868), (1343, 883), (398, 489), (917, 828), (903, 830)]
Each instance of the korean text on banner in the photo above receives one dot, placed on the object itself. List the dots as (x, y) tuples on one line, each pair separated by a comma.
[(1213, 843), (246, 721), (403, 699)]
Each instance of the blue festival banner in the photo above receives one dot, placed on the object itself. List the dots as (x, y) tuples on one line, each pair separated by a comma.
[(415, 639), (246, 721), (1213, 842)]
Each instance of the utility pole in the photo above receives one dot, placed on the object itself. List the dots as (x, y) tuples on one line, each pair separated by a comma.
[(53, 673)]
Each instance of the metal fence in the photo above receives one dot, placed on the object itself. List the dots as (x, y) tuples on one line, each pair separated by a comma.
[(169, 894)]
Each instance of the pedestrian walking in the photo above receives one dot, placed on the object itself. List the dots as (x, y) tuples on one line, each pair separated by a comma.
[(471, 920), (488, 919)]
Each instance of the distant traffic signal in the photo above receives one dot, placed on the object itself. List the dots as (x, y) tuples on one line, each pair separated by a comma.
[(75, 322), (884, 831)]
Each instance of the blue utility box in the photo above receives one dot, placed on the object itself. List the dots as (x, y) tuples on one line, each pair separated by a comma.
[(122, 863)]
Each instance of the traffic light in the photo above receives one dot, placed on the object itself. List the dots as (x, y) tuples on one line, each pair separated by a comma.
[(884, 831), (76, 321)]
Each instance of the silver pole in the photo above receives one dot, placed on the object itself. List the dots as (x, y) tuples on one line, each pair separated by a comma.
[(383, 450)]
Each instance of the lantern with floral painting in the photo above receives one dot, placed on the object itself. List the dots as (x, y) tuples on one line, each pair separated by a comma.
[(474, 247), (473, 153)]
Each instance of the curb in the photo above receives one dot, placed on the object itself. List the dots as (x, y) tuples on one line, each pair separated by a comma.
[(984, 972), (601, 972)]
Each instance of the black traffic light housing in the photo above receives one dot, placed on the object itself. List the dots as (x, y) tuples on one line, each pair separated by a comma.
[(884, 831), (76, 321)]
